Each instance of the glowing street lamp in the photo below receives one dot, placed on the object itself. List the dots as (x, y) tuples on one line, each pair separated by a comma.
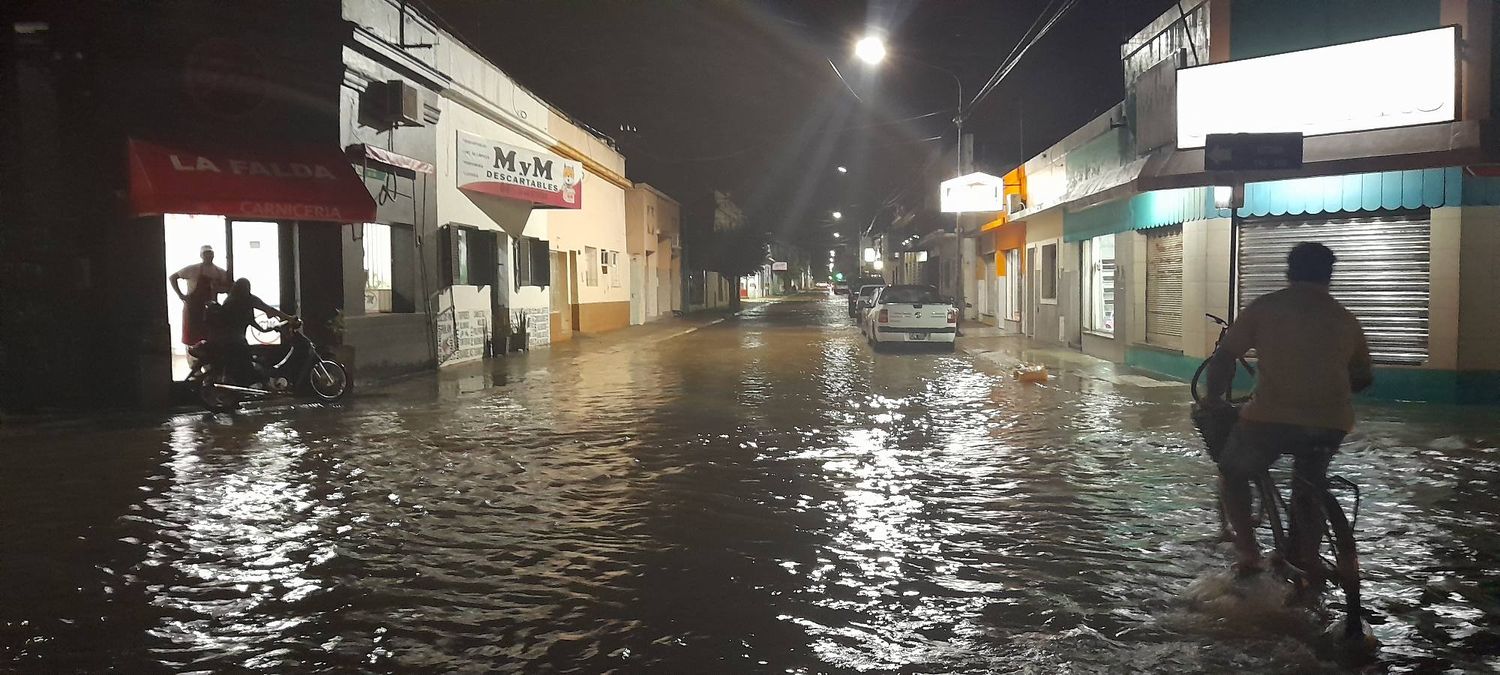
[(835, 235), (870, 49), (843, 169), (838, 214)]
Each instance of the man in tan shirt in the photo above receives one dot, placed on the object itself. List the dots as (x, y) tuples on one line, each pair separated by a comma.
[(1312, 357)]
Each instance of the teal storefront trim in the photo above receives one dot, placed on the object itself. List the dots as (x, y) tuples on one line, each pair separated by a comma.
[(1382, 191), (1391, 384), (1162, 362), (1139, 212)]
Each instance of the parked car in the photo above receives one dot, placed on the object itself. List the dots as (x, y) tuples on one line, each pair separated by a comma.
[(860, 302), (841, 289), (911, 314)]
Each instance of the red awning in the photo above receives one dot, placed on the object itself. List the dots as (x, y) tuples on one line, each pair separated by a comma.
[(289, 183)]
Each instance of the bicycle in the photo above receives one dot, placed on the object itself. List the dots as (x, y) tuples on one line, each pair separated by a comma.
[(1242, 363), (1215, 424)]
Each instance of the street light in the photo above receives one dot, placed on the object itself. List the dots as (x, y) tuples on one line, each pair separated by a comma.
[(835, 235), (843, 169), (838, 214), (870, 49)]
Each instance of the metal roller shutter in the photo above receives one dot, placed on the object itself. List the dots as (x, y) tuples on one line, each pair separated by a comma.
[(1164, 287), (1382, 275)]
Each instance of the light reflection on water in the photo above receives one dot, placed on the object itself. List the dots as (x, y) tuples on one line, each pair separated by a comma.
[(761, 495)]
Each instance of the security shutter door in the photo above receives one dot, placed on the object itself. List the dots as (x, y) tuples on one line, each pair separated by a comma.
[(1382, 274), (1164, 287)]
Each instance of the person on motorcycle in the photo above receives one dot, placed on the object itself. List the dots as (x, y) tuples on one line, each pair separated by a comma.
[(1312, 358), (229, 323)]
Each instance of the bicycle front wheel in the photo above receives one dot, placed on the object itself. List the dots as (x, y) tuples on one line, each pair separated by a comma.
[(1346, 564)]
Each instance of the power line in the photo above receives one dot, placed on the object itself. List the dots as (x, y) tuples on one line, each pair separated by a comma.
[(1011, 64), (1024, 37)]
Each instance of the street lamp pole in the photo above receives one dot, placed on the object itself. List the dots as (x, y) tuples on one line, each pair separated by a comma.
[(871, 49)]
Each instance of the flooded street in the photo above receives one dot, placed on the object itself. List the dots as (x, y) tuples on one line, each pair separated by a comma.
[(764, 494)]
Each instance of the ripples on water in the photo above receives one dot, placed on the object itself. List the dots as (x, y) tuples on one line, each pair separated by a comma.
[(756, 496)]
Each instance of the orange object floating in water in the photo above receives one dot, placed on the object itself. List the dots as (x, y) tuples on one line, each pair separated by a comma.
[(1031, 374)]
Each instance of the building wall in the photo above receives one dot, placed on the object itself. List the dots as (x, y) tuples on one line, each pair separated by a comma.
[(382, 344), (653, 224), (1207, 250), (1042, 228), (483, 101), (600, 224), (1262, 27), (1479, 294)]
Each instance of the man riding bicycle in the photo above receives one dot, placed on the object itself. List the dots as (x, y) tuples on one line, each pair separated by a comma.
[(1312, 358)]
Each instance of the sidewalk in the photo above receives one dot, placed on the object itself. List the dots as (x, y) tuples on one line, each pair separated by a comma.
[(1007, 352)]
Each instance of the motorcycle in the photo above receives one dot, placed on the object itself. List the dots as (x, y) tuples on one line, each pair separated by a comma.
[(295, 366)]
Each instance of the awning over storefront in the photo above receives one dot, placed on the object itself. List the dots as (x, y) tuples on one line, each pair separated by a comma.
[(287, 183), (1140, 212), (364, 151)]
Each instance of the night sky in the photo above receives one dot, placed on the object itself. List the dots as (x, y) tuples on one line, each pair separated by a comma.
[(740, 96)]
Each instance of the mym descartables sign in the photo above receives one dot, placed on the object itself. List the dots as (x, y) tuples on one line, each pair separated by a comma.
[(502, 170)]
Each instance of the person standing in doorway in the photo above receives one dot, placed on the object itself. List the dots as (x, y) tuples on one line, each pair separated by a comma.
[(205, 281)]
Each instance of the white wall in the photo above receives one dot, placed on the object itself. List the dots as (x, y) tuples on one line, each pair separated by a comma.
[(600, 224), (455, 207), (1206, 255)]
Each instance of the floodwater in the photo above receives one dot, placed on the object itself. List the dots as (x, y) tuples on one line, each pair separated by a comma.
[(762, 495)]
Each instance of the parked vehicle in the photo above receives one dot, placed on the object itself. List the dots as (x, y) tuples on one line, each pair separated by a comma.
[(860, 302), (295, 367), (841, 289), (911, 314)]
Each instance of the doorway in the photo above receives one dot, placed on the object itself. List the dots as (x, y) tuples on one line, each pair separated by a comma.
[(246, 249), (637, 291), (561, 293)]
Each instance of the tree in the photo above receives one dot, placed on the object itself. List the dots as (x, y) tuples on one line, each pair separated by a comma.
[(718, 236)]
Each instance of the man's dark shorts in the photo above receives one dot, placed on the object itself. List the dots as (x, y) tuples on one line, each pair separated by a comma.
[(1254, 446)]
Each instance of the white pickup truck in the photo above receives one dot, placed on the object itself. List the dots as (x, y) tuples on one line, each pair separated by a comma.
[(911, 314)]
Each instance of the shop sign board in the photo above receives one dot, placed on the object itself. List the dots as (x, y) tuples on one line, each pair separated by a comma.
[(1395, 81), (974, 192), (498, 169), (1252, 152), (778, 266), (267, 182)]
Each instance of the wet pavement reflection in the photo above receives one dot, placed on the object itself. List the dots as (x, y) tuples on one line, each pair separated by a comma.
[(765, 494)]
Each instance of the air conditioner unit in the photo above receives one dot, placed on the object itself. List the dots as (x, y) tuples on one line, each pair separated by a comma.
[(402, 104), (1014, 203)]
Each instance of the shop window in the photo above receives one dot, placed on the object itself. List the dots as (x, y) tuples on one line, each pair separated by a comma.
[(1013, 283), (471, 257), (375, 241), (1099, 279), (611, 266), (1048, 282), (533, 263)]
